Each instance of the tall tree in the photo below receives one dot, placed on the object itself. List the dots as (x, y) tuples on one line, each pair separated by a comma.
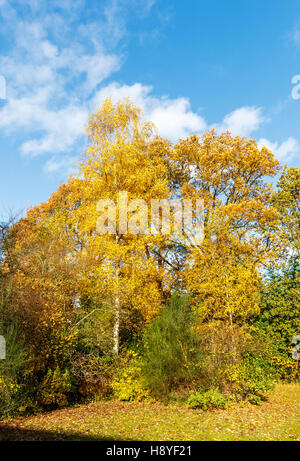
[(240, 225), (287, 201), (281, 292), (121, 267)]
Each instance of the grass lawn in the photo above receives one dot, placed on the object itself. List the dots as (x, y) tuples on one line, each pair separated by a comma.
[(276, 419)]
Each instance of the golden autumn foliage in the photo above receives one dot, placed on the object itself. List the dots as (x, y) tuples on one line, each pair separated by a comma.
[(78, 293), (240, 225), (61, 258), (120, 269)]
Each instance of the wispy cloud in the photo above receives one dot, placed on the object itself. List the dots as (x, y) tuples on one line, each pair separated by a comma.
[(243, 121), (58, 164), (48, 84), (296, 36), (60, 56), (173, 118), (284, 151), (57, 70)]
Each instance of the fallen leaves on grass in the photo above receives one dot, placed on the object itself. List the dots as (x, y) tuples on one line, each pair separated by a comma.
[(276, 419)]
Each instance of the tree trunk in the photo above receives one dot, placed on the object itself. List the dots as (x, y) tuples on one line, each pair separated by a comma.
[(116, 338), (116, 325)]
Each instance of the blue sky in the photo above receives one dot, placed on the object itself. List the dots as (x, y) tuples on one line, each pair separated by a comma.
[(191, 65)]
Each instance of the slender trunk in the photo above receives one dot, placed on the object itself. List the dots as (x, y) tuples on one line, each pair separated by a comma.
[(117, 325), (230, 319), (231, 322), (227, 300), (116, 339)]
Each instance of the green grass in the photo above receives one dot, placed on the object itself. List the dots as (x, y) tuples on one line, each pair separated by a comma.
[(276, 419)]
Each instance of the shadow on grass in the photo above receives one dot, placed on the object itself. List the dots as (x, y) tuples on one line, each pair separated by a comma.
[(14, 433)]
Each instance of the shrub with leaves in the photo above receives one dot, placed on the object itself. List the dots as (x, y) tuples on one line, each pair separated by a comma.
[(55, 388), (286, 369), (172, 356), (11, 370), (249, 379), (128, 384), (92, 374), (207, 400)]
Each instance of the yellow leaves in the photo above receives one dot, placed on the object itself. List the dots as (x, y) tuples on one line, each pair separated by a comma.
[(60, 256), (222, 164), (241, 228), (288, 369), (224, 280), (128, 383), (122, 156)]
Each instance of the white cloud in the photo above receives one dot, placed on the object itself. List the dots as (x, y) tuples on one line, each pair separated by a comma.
[(285, 151), (55, 67), (54, 75), (47, 85), (57, 164), (243, 121), (173, 118), (62, 128)]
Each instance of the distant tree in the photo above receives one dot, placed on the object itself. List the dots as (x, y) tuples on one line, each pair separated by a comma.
[(287, 201), (172, 356), (240, 223), (281, 292), (280, 307)]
